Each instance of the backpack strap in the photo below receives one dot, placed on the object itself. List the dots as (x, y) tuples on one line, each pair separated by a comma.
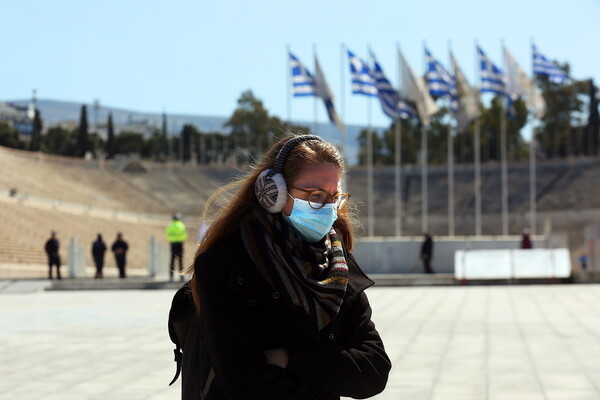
[(178, 359)]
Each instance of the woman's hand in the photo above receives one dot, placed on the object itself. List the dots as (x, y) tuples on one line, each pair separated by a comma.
[(278, 357)]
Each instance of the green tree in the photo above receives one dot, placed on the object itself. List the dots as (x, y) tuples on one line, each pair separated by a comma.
[(189, 138), (252, 128), (96, 144), (82, 133), (129, 142), (491, 130), (9, 137), (410, 142), (563, 105), (154, 147), (378, 149), (59, 140), (592, 130)]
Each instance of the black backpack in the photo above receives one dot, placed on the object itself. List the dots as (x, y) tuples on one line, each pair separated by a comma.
[(191, 355)]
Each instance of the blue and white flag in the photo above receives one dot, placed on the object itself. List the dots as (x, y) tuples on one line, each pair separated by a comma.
[(392, 104), (439, 81), (543, 66), (303, 83), (492, 79), (362, 82), (323, 91)]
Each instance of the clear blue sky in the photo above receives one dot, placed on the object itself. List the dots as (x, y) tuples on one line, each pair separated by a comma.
[(185, 56)]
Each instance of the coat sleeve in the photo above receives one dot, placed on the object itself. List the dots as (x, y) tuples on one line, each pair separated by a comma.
[(229, 332), (358, 370)]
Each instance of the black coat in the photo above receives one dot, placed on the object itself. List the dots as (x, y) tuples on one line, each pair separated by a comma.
[(241, 316), (51, 248), (98, 249)]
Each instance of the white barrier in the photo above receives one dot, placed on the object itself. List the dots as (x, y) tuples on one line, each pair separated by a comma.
[(158, 259), (76, 259), (510, 264), (400, 255)]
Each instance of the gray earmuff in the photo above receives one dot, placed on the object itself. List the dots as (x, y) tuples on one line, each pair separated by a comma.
[(270, 187)]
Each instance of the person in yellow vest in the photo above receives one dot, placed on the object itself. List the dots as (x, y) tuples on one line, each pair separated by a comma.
[(176, 235)]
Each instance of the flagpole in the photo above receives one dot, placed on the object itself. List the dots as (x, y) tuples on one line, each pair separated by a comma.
[(450, 163), (315, 100), (398, 176), (532, 159), (370, 210), (398, 158), (503, 161), (289, 85), (424, 161), (477, 149), (342, 99), (504, 169)]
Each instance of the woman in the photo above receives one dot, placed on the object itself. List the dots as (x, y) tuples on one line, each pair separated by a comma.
[(282, 305)]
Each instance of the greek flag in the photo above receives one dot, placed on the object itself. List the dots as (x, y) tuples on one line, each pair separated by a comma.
[(543, 66), (439, 81), (362, 82), (492, 79), (392, 104), (303, 83)]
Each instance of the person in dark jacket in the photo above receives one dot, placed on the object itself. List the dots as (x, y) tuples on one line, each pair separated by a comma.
[(283, 309), (51, 247), (98, 250), (427, 253), (526, 242), (119, 248)]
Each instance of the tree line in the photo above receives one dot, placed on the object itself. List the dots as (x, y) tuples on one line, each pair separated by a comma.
[(252, 130)]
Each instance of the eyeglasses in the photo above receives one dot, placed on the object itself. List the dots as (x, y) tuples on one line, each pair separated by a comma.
[(318, 198)]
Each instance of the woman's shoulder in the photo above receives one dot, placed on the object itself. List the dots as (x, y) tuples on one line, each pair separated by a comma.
[(358, 280), (224, 255)]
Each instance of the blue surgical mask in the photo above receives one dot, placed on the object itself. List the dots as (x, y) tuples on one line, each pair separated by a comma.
[(312, 224)]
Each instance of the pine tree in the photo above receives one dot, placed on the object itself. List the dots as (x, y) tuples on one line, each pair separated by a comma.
[(36, 135), (164, 151), (110, 140), (82, 133)]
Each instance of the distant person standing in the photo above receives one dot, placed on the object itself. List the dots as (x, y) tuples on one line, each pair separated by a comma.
[(427, 252), (176, 235), (119, 248), (526, 242), (98, 250), (51, 247)]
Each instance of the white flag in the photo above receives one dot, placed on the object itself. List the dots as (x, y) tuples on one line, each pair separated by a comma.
[(518, 85), (414, 89), (323, 91), (468, 104)]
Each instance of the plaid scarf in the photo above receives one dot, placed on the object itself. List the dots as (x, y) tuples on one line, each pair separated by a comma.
[(312, 277)]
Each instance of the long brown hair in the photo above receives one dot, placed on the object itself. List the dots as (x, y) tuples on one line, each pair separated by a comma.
[(231, 203)]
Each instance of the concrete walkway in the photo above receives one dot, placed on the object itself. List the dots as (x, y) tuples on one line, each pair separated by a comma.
[(455, 342)]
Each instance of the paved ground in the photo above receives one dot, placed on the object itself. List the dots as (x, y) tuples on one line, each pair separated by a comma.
[(486, 342)]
